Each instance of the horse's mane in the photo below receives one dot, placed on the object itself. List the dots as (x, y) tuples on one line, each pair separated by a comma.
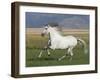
[(57, 30)]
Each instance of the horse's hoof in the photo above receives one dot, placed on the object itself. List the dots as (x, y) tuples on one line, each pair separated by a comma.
[(39, 57), (59, 59), (70, 59), (48, 54)]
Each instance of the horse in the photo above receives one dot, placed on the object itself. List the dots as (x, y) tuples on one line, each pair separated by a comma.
[(58, 41)]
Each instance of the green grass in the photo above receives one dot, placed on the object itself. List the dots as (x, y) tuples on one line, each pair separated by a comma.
[(34, 43)]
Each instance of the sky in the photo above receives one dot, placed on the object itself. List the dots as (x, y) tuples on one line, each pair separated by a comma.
[(38, 20)]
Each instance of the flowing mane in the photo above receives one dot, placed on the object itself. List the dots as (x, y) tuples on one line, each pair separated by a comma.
[(55, 29)]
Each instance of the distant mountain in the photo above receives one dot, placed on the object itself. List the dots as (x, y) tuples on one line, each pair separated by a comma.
[(74, 22)]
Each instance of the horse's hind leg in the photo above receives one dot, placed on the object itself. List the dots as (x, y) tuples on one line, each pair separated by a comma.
[(70, 52), (62, 57)]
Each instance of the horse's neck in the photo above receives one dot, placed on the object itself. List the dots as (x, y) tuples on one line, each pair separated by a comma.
[(54, 34)]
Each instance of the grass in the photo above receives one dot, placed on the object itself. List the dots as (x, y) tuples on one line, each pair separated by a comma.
[(34, 43)]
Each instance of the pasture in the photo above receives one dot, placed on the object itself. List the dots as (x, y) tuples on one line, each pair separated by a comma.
[(34, 44)]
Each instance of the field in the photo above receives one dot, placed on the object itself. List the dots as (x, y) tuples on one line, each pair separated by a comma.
[(34, 44)]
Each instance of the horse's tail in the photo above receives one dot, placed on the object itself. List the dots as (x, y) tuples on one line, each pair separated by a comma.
[(85, 46)]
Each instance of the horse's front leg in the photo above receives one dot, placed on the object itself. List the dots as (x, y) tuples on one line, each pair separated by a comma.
[(40, 53), (48, 52), (46, 48)]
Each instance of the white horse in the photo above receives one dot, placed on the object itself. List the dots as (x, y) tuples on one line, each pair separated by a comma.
[(57, 41)]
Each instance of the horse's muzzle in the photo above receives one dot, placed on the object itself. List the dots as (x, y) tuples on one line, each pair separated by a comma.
[(42, 34)]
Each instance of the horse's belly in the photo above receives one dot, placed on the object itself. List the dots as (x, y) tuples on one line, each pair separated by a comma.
[(59, 45), (72, 41), (64, 43)]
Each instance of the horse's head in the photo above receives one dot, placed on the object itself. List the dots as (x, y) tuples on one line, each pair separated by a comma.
[(46, 30), (49, 29)]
